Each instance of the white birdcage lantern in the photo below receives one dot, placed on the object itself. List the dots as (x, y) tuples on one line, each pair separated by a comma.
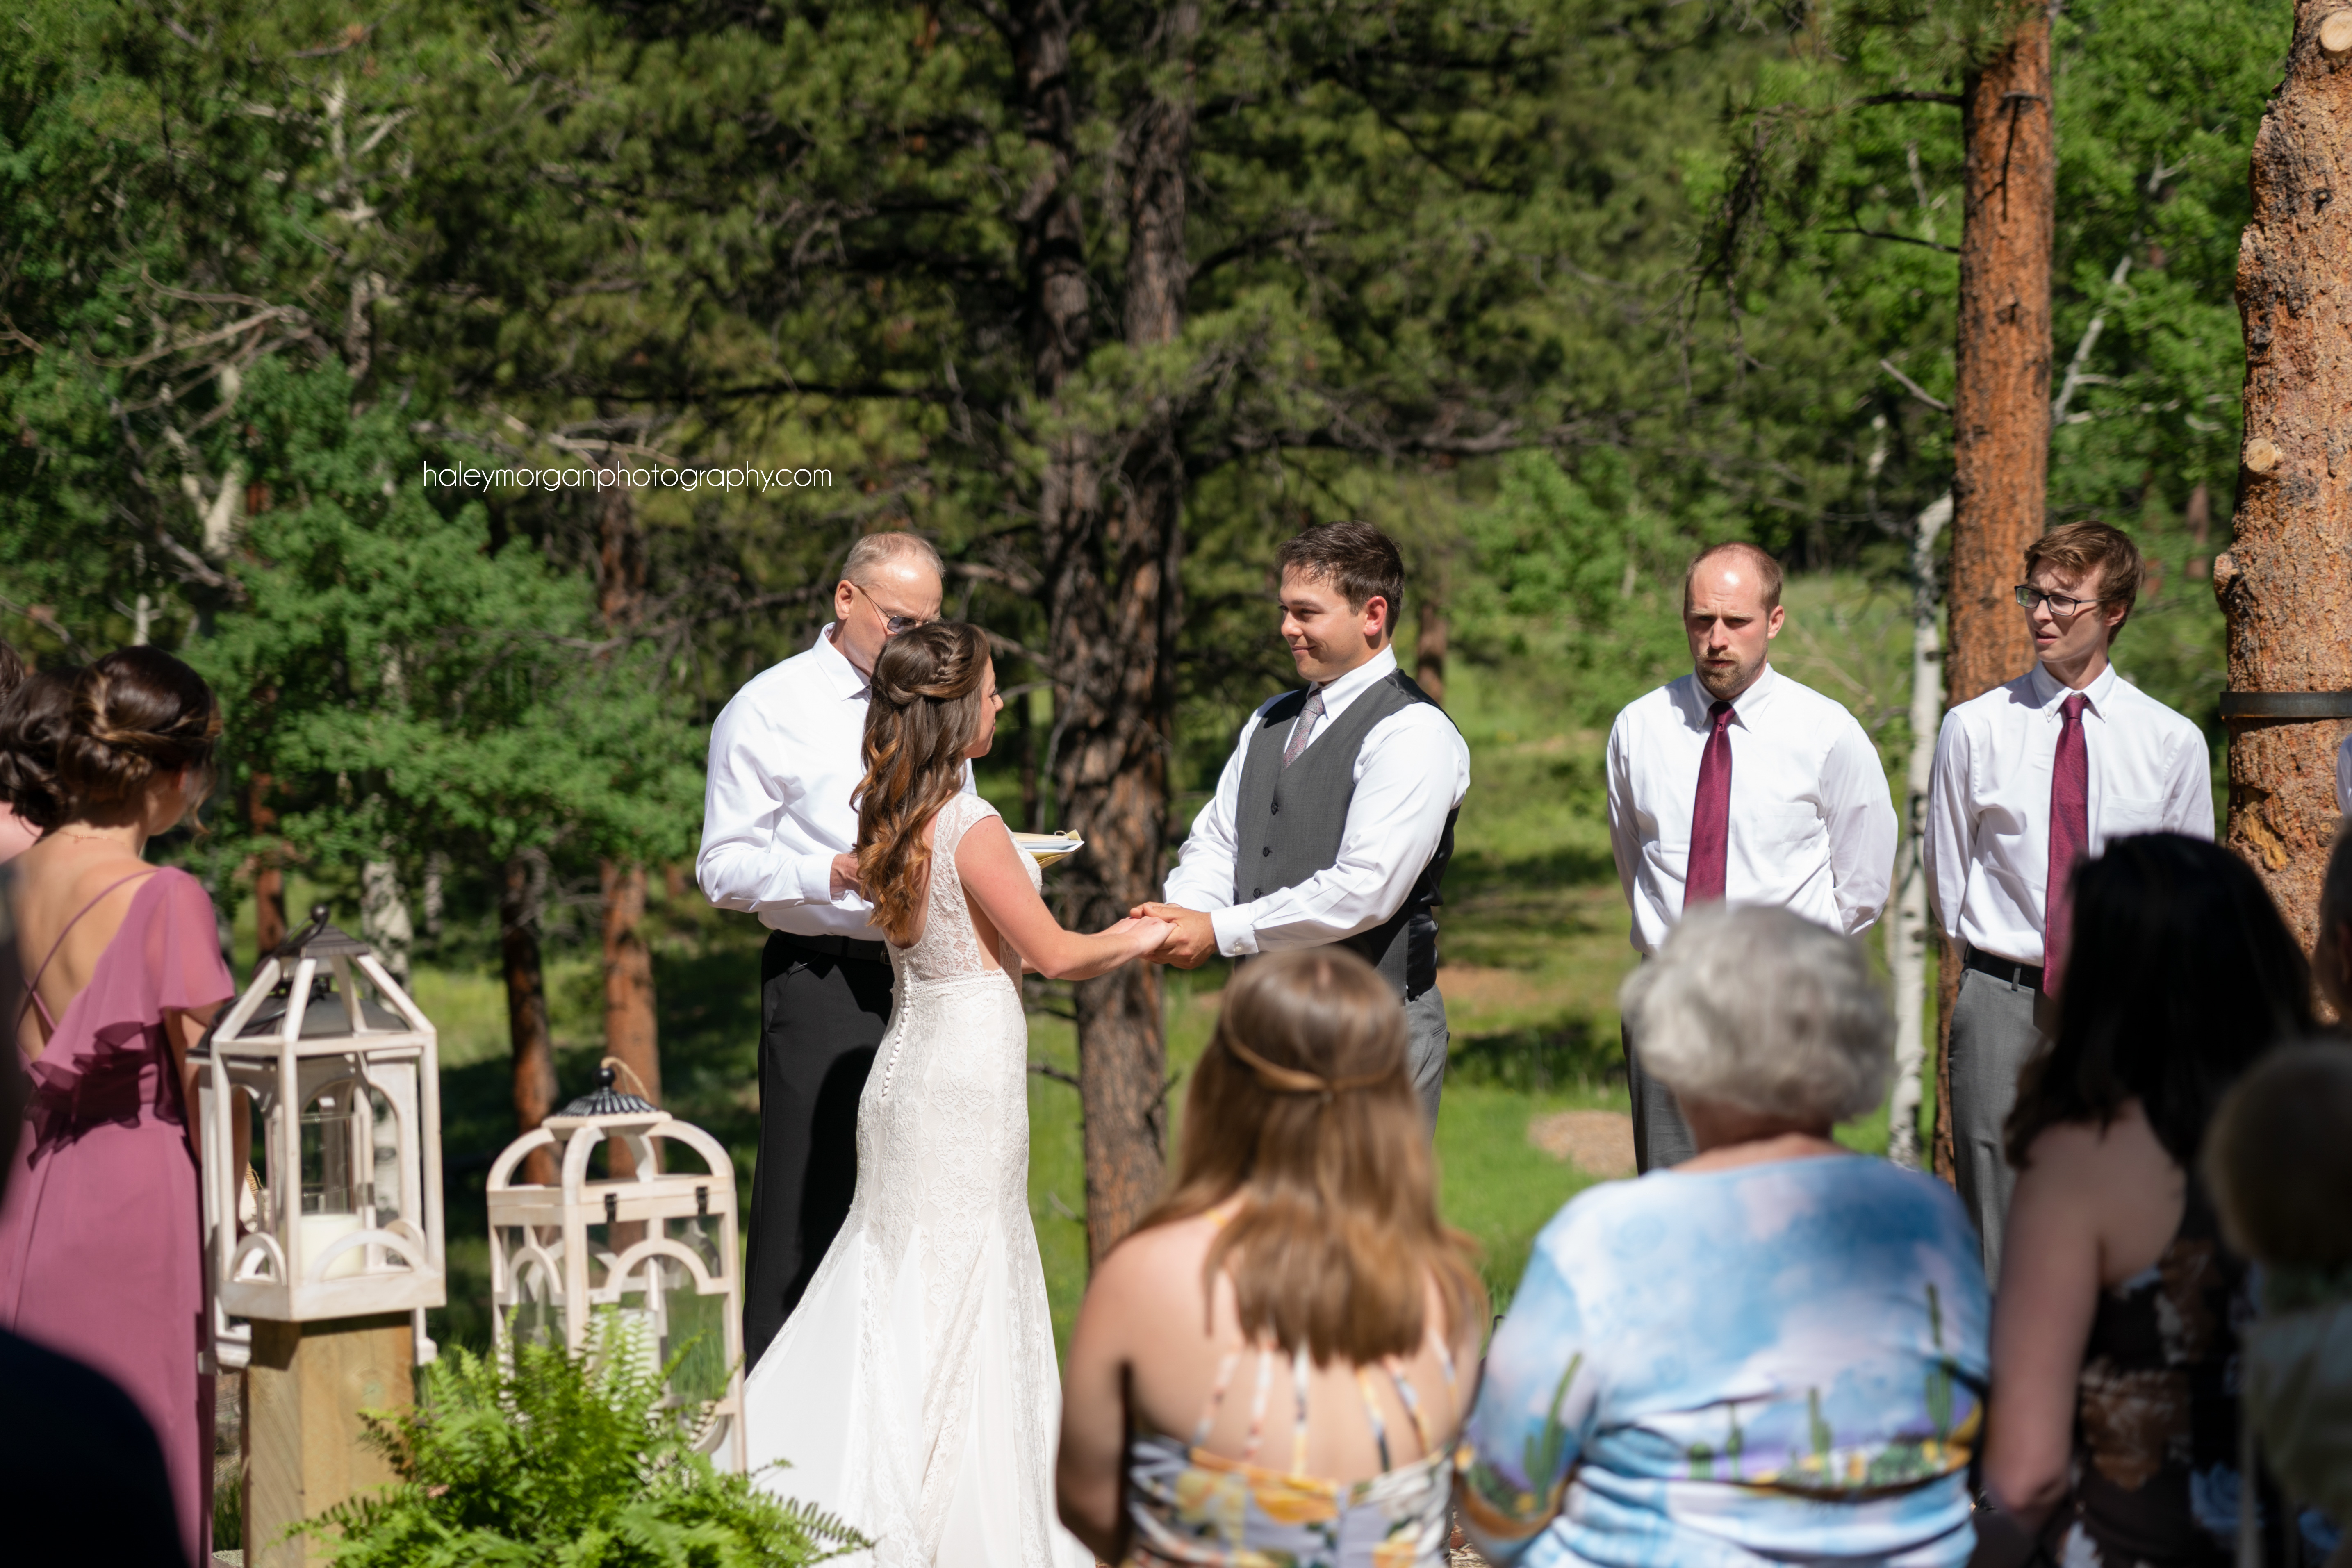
[(341, 1073), (657, 1246)]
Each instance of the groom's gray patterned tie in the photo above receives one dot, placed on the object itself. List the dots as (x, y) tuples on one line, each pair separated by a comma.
[(1302, 729)]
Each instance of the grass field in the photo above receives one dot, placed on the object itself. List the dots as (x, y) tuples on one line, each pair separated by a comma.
[(1534, 948)]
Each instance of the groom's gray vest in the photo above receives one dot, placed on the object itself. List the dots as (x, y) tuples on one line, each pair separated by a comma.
[(1287, 822)]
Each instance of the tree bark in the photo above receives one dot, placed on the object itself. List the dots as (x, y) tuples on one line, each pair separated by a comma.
[(1906, 932), (630, 1036), (1429, 650), (519, 896), (2285, 584), (268, 879), (1113, 589), (2000, 400)]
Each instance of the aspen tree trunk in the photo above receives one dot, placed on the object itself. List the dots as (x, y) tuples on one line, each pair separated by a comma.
[(521, 892), (1906, 932), (2285, 584), (384, 924), (2000, 398)]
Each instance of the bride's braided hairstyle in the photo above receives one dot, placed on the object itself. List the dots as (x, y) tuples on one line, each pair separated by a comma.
[(925, 711)]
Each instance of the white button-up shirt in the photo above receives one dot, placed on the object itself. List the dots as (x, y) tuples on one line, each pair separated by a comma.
[(1988, 800), (786, 756), (1812, 827), (1410, 771)]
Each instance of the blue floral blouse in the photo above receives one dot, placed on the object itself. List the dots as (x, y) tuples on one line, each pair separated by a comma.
[(1736, 1367)]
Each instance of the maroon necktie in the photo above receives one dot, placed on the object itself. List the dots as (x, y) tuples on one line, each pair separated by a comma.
[(2070, 835), (1711, 815)]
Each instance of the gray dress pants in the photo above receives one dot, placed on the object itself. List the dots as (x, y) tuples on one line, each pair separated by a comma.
[(1661, 1136), (1993, 1033), (1424, 1050)]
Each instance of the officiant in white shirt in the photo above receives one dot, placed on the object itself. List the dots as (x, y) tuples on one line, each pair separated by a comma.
[(1736, 783), (779, 840), (2030, 779), (1333, 819)]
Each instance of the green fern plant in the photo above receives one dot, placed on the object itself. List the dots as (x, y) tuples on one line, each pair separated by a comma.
[(563, 1461)]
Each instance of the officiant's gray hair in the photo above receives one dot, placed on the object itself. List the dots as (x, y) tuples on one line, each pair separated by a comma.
[(881, 548), (1759, 1008)]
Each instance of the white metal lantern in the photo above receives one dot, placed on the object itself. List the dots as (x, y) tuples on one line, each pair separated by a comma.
[(658, 1247), (343, 1074)]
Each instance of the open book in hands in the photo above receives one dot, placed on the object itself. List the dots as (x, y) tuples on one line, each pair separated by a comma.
[(1047, 848)]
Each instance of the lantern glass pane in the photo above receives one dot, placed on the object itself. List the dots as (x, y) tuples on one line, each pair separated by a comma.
[(696, 1339), (331, 1179)]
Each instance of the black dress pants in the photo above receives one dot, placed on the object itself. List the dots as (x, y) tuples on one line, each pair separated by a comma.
[(820, 1016)]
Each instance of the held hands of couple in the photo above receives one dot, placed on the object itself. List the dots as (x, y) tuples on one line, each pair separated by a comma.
[(1144, 934), (844, 875), (1191, 939)]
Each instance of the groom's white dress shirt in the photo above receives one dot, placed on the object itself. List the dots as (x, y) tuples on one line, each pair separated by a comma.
[(1411, 770), (1989, 799), (786, 756), (1812, 827)]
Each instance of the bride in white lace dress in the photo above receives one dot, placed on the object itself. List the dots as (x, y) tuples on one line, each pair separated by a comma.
[(914, 1389)]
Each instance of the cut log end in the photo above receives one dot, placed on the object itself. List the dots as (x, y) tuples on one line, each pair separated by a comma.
[(2336, 34)]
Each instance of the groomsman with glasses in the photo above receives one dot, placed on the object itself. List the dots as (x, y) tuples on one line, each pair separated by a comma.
[(2030, 779), (1736, 782)]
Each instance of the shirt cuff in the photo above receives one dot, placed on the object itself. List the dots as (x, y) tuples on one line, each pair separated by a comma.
[(1236, 936), (816, 878)]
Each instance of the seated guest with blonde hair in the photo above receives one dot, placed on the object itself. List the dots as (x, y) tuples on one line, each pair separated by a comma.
[(1774, 1352), (2113, 1438), (2278, 1165), (1301, 1249)]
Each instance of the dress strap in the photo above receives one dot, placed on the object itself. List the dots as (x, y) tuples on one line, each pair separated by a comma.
[(1299, 1368), (1373, 1413), (1257, 1403), (32, 987), (1216, 1397)]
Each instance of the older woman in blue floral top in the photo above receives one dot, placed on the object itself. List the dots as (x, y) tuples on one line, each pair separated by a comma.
[(1774, 1352)]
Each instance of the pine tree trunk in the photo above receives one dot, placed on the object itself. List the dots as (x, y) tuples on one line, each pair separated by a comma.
[(1113, 591), (2001, 401), (1429, 650), (630, 1035), (268, 880), (520, 895), (2285, 584)]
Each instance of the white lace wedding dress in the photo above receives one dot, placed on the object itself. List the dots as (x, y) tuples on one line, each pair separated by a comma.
[(913, 1389)]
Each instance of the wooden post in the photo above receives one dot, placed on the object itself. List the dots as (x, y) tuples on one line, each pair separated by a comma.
[(2285, 584), (306, 1449)]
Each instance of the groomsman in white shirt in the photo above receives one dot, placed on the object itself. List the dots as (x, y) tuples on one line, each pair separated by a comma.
[(1334, 818), (2030, 779), (1736, 782), (780, 839)]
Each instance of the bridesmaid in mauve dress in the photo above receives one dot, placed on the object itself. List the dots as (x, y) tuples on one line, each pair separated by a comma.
[(101, 1234)]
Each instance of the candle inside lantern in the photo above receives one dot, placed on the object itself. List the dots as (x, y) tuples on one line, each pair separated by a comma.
[(320, 1230)]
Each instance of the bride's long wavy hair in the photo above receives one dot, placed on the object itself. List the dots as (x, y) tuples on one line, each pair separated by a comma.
[(926, 710)]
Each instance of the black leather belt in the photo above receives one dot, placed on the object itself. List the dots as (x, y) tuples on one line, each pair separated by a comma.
[(2026, 976), (842, 947)]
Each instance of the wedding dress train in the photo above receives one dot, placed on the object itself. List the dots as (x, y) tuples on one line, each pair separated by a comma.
[(914, 1389)]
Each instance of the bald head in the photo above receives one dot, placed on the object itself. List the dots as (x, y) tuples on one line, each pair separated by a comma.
[(1740, 567)]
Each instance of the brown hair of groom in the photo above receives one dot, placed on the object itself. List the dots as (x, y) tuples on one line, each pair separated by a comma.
[(1336, 1240), (1355, 558)]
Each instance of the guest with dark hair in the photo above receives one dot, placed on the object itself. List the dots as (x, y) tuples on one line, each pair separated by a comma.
[(2114, 1430), (16, 834), (100, 1235), (1773, 1352), (1301, 1248)]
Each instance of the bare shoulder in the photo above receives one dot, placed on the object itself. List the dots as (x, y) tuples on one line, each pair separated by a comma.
[(1154, 1271)]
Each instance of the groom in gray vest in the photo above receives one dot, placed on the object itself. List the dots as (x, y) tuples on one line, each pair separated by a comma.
[(1334, 818)]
